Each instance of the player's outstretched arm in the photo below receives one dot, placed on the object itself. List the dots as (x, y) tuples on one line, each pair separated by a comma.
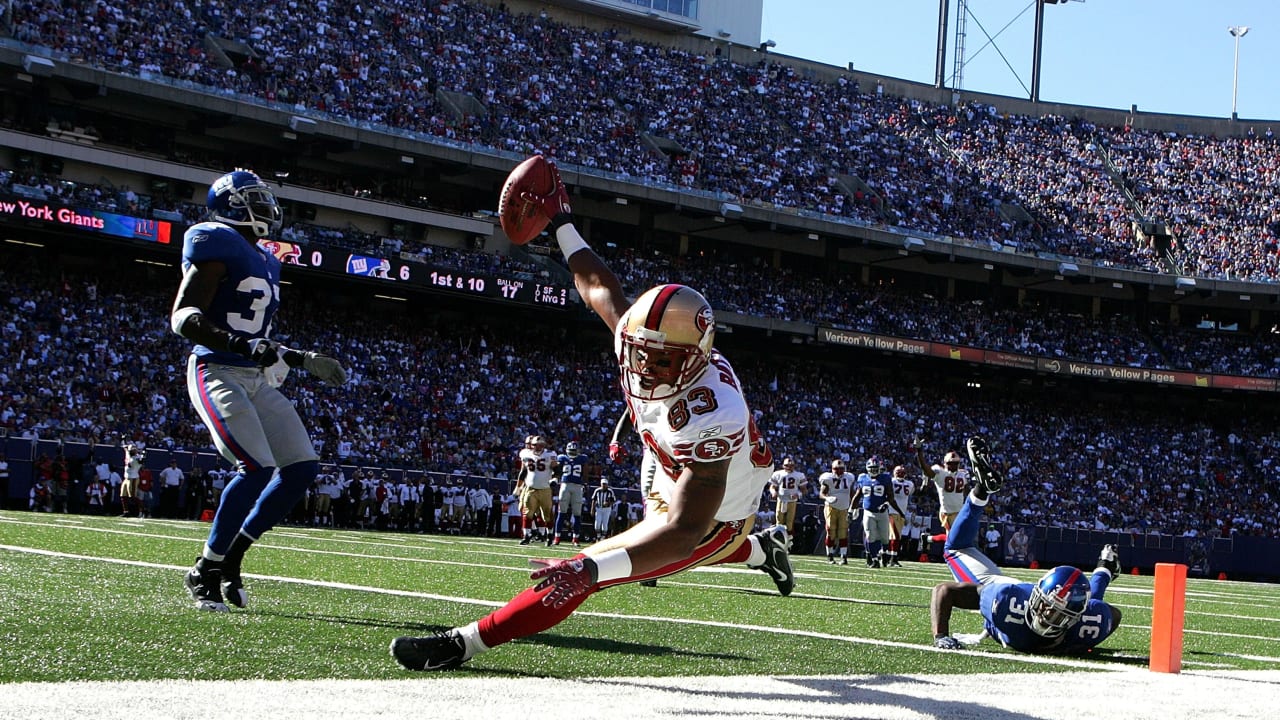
[(595, 282)]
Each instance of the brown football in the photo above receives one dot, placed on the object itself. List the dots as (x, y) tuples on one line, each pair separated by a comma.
[(523, 220)]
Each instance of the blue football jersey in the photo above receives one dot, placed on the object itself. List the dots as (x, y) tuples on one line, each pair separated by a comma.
[(572, 468), (875, 491), (1004, 609), (246, 300)]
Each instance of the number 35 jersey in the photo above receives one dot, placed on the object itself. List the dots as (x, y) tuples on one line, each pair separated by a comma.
[(707, 422), (248, 296)]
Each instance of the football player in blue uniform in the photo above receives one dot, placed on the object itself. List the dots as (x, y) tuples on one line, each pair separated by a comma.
[(1063, 612), (228, 297), (875, 486), (573, 465)]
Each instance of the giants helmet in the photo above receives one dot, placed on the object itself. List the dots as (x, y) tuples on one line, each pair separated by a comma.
[(663, 342), (242, 200), (1057, 601), (873, 466), (571, 449)]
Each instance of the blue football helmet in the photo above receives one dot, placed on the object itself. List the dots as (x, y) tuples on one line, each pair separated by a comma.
[(571, 449), (874, 466), (1057, 601), (241, 199)]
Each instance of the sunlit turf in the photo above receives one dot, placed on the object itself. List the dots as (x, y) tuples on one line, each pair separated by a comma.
[(84, 619)]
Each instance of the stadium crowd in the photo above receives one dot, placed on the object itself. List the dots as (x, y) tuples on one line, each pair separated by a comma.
[(747, 285), (761, 132), (87, 356)]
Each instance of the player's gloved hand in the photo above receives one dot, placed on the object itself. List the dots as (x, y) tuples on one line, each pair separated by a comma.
[(617, 452), (567, 579), (324, 367), (554, 203), (263, 352), (948, 643)]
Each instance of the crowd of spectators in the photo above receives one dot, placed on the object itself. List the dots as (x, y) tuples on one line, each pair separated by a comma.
[(760, 132), (751, 287), (87, 356)]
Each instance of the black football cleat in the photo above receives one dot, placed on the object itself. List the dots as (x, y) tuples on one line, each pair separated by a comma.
[(232, 586), (777, 562), (441, 651), (988, 477), (204, 588)]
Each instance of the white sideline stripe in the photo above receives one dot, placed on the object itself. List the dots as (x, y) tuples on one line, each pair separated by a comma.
[(1029, 659), (726, 570)]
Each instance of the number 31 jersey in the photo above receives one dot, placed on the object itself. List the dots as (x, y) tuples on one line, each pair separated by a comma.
[(248, 296)]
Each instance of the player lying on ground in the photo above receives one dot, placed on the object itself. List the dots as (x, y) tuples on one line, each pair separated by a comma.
[(1061, 613)]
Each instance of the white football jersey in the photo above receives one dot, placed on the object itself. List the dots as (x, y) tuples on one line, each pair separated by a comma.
[(539, 467), (788, 484), (838, 489), (902, 489), (952, 487), (707, 422)]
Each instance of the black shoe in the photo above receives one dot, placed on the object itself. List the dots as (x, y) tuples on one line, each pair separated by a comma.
[(831, 559), (232, 586), (527, 539), (844, 561), (648, 583), (442, 651), (988, 478), (550, 541), (777, 563), (895, 563), (203, 586), (1109, 559)]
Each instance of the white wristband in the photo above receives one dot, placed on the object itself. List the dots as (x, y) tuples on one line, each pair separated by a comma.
[(569, 239), (612, 565)]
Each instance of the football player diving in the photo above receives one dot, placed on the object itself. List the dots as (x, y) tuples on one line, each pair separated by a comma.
[(228, 297), (1061, 613), (687, 406)]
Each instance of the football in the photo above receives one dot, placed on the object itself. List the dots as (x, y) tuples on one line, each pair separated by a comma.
[(521, 219)]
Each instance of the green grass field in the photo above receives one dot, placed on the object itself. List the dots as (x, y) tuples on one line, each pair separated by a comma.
[(102, 599)]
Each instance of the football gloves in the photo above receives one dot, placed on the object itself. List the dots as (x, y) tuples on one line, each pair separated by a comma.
[(948, 643), (567, 579), (265, 353), (617, 453), (554, 204)]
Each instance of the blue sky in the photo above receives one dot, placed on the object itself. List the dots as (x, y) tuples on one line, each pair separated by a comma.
[(1163, 55)]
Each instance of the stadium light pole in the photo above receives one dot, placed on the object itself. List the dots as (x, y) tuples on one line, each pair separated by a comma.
[(1237, 32)]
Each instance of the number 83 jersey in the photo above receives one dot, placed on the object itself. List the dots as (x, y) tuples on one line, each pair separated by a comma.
[(247, 297)]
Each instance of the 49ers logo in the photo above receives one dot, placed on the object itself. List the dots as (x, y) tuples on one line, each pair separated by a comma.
[(710, 450), (704, 320)]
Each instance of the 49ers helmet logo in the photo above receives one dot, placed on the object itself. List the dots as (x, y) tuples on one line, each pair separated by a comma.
[(704, 320), (714, 449)]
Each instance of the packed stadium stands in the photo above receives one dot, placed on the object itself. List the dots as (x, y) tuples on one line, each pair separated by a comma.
[(761, 132)]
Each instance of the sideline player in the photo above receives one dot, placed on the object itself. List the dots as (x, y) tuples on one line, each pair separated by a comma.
[(537, 465), (228, 297), (903, 488), (687, 407), (876, 488), (572, 465), (1063, 612), (785, 486), (951, 481), (836, 491)]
